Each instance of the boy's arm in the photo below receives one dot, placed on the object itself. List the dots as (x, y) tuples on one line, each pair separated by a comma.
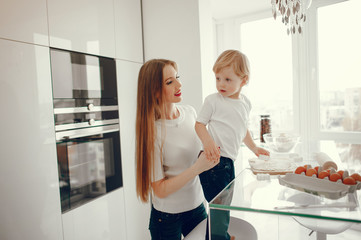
[(210, 148), (253, 147)]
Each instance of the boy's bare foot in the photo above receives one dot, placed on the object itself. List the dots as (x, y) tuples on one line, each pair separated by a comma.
[(233, 238)]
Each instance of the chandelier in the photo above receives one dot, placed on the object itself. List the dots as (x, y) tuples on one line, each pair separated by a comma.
[(293, 13)]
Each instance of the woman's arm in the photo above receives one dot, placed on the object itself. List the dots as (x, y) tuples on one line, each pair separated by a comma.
[(167, 186)]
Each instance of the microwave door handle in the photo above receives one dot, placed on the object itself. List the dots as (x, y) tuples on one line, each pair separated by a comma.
[(66, 135)]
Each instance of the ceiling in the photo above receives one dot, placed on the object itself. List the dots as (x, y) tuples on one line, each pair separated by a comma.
[(231, 8)]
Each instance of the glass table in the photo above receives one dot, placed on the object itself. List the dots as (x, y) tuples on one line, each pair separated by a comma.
[(264, 194)]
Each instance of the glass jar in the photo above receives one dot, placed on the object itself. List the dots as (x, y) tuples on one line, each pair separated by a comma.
[(265, 126)]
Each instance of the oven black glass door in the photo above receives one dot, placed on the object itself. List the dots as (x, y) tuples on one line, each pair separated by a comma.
[(82, 76), (89, 167)]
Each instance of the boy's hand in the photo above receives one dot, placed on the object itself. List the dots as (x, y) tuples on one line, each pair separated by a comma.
[(260, 151), (212, 151), (203, 164)]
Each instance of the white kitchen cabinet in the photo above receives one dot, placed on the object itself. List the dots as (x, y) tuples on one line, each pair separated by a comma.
[(172, 31), (102, 218), (137, 213), (30, 201), (83, 25), (128, 30), (24, 20)]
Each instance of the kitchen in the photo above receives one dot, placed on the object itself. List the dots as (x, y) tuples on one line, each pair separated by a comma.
[(30, 206)]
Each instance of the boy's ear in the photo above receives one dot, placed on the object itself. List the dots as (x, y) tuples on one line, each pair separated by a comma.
[(244, 80)]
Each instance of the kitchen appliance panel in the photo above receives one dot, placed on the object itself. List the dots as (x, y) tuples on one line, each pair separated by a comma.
[(86, 117)]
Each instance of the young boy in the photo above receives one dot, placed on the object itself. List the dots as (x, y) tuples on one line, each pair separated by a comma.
[(226, 114)]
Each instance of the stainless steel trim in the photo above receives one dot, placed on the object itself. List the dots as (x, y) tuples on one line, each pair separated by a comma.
[(85, 132), (70, 126), (85, 109)]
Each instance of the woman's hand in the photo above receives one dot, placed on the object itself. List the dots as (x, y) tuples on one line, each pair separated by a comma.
[(203, 163), (162, 188)]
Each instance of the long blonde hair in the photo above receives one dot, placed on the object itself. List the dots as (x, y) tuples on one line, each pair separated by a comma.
[(150, 108)]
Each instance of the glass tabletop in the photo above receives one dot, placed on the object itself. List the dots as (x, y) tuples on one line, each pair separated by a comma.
[(264, 194)]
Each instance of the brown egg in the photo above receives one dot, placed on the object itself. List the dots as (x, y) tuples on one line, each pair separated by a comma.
[(300, 169), (334, 177), (323, 174), (349, 181), (311, 172), (356, 176)]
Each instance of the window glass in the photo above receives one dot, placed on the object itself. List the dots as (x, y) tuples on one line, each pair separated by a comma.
[(339, 58), (346, 155), (270, 87)]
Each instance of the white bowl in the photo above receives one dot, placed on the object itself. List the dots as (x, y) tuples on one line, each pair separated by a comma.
[(281, 142)]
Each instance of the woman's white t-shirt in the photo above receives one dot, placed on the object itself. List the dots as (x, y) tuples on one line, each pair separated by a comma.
[(180, 150), (227, 121)]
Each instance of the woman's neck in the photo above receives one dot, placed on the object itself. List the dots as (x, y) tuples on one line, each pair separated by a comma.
[(171, 112)]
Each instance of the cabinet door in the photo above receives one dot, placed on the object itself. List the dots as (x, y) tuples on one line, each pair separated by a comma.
[(128, 30), (30, 201), (24, 20), (137, 213), (82, 25), (102, 218)]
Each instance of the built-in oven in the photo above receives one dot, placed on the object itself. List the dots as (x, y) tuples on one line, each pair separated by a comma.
[(86, 126)]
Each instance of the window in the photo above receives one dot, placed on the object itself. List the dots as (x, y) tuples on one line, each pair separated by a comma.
[(270, 88), (339, 79), (309, 83), (339, 58)]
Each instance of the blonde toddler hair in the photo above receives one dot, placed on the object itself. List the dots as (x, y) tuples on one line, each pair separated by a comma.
[(235, 59)]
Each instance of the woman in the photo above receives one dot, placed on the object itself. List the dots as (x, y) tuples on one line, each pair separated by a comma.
[(166, 150)]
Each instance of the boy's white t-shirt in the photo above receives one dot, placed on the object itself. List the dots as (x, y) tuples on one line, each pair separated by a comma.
[(180, 150), (227, 121)]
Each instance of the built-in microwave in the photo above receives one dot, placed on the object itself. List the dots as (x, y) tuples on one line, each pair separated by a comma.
[(82, 76), (86, 126)]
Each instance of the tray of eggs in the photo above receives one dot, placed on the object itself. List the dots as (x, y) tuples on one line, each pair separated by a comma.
[(323, 180)]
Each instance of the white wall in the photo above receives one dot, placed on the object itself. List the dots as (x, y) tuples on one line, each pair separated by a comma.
[(172, 31), (208, 50)]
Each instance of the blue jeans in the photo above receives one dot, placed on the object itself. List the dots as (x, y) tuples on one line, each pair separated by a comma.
[(213, 182), (169, 226)]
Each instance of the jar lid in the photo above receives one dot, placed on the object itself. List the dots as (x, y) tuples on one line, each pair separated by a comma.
[(264, 116)]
